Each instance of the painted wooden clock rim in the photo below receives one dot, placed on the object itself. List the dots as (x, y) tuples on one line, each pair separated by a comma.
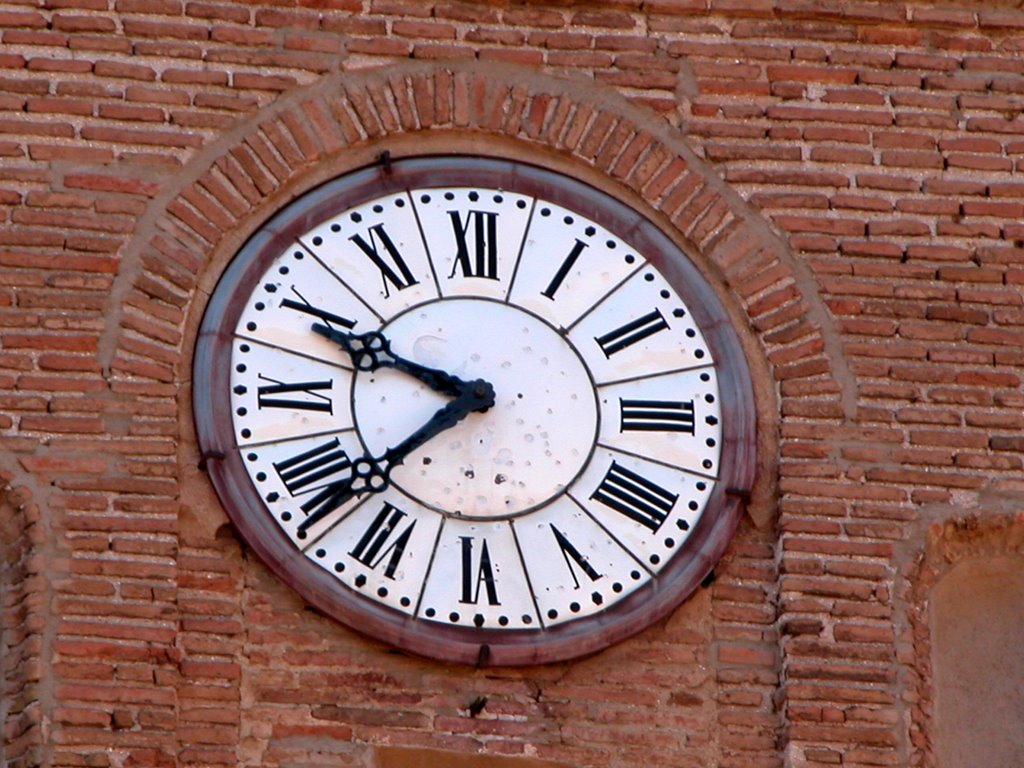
[(649, 603)]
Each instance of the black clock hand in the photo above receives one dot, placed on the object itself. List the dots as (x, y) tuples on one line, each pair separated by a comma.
[(372, 350), (373, 473)]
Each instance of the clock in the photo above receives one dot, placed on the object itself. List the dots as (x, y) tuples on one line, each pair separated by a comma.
[(475, 408)]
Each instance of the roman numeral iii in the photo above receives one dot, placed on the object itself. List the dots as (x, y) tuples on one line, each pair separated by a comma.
[(634, 496), (656, 416)]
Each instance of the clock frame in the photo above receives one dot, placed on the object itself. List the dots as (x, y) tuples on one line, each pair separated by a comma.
[(684, 571)]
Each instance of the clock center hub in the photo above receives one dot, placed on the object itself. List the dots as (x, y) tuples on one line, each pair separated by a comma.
[(516, 456)]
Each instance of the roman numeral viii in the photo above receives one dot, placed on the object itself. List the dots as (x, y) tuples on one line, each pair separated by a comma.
[(374, 545), (303, 396), (629, 334), (656, 416), (634, 496), (392, 266), (482, 259)]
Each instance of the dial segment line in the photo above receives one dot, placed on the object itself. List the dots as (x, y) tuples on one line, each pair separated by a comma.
[(526, 571), (338, 277), (308, 545), (423, 238), (656, 374), (568, 329), (609, 534), (293, 438), (304, 355), (522, 248), (653, 460), (430, 568)]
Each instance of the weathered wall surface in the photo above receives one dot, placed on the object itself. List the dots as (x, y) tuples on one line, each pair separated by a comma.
[(846, 174)]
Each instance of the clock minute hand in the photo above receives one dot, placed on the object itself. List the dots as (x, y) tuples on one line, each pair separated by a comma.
[(372, 350), (373, 474)]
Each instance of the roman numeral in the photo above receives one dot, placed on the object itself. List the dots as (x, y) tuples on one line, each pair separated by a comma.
[(635, 496), (475, 577), (631, 333), (397, 272), (563, 270), (370, 550), (304, 306), (269, 395), (311, 466), (656, 416), (572, 555), (483, 260)]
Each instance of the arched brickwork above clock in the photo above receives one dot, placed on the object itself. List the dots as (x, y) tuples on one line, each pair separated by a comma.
[(345, 121)]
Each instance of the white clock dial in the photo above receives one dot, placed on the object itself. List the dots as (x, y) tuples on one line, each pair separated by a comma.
[(454, 407)]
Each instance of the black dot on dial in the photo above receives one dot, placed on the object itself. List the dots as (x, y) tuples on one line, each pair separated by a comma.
[(378, 208), (430, 613), (552, 614), (286, 516), (616, 587), (520, 204), (321, 552), (634, 575), (503, 620), (574, 607), (655, 559), (356, 217), (316, 241), (360, 580), (453, 617), (527, 618), (694, 506), (339, 567), (424, 198), (478, 620), (382, 592), (335, 227), (405, 602)]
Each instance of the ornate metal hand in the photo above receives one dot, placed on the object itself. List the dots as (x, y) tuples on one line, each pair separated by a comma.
[(372, 350), (372, 474)]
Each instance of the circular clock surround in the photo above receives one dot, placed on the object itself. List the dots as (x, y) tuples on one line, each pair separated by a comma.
[(577, 510)]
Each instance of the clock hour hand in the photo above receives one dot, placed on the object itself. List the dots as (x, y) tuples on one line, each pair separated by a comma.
[(372, 350), (372, 474)]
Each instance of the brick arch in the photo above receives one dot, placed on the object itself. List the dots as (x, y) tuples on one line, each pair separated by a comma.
[(314, 133), (232, 186)]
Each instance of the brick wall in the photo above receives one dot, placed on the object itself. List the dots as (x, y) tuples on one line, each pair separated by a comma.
[(845, 173)]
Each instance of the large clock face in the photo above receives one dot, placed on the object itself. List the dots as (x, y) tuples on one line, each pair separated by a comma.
[(476, 409)]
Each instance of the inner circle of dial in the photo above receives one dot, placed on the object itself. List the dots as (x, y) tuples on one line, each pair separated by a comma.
[(509, 460)]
